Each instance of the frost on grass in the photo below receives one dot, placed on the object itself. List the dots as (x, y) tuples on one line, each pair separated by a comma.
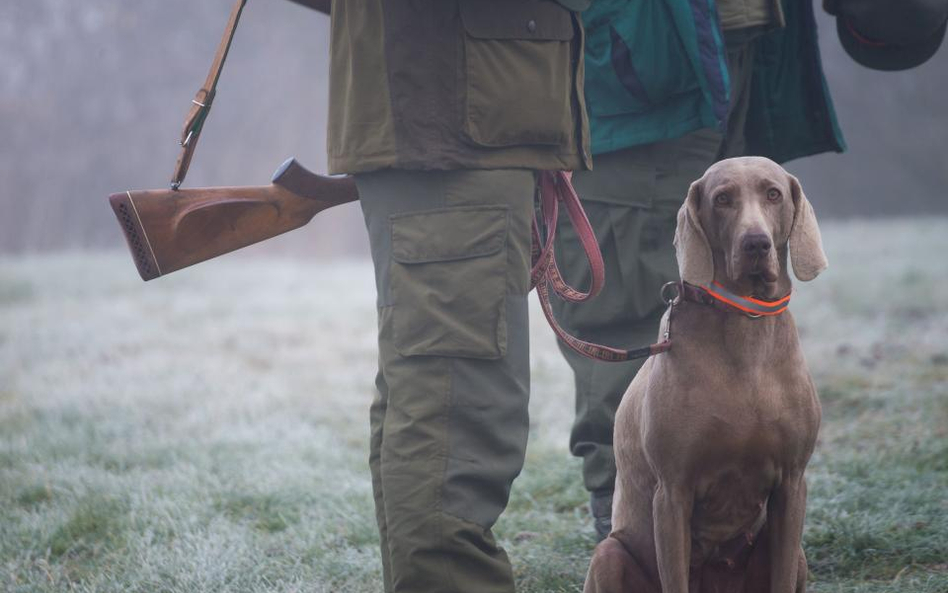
[(207, 431)]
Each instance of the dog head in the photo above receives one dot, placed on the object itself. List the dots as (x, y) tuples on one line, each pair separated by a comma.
[(738, 223)]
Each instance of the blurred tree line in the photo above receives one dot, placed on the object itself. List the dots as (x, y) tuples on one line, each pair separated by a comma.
[(93, 94)]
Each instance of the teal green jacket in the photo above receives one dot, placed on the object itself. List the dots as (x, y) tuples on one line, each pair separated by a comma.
[(656, 69)]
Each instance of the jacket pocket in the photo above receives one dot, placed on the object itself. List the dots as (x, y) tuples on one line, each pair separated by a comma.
[(448, 282), (517, 72), (635, 58)]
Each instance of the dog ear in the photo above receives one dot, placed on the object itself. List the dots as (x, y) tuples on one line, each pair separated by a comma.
[(806, 245), (695, 264)]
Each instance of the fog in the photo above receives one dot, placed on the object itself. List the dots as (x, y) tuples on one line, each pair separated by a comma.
[(93, 94)]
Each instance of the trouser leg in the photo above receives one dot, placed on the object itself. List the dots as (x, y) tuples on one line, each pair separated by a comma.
[(449, 427), (376, 418)]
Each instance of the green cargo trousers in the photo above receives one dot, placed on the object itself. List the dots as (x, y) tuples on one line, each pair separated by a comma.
[(449, 422), (631, 198)]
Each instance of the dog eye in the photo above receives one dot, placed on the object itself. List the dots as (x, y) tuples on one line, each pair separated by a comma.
[(722, 199), (774, 194)]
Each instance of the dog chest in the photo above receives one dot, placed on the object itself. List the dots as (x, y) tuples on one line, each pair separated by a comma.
[(730, 506)]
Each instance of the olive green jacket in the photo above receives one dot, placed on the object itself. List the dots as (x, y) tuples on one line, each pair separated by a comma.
[(454, 84)]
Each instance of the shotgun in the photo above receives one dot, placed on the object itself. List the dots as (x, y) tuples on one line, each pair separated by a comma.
[(169, 230)]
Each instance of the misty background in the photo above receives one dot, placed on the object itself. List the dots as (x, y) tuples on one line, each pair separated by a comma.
[(93, 95)]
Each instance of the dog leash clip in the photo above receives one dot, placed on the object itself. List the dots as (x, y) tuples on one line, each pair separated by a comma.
[(666, 296)]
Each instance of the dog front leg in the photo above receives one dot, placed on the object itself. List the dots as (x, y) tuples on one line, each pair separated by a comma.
[(614, 570), (785, 513), (671, 517)]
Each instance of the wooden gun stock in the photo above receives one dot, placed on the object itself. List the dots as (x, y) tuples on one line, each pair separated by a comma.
[(168, 230)]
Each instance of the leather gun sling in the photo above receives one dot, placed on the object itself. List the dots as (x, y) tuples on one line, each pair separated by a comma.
[(201, 104)]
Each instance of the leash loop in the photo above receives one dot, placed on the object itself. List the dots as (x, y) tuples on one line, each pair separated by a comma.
[(554, 188)]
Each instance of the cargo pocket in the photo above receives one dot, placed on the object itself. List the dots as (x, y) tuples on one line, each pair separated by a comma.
[(448, 282), (517, 71)]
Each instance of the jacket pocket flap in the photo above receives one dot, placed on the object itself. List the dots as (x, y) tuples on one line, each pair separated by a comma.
[(448, 234), (520, 19)]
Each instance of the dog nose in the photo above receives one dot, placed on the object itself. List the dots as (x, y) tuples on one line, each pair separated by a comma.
[(756, 244)]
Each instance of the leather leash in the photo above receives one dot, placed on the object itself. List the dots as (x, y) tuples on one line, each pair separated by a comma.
[(201, 104), (556, 187), (553, 188)]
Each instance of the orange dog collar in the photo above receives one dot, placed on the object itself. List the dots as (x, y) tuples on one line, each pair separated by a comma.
[(745, 304), (717, 296)]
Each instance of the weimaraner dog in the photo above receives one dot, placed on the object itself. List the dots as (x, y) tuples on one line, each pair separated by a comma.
[(713, 436)]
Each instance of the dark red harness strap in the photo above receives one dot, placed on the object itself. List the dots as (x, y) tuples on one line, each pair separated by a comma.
[(556, 187)]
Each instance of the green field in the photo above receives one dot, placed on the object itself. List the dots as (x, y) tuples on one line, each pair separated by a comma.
[(208, 431)]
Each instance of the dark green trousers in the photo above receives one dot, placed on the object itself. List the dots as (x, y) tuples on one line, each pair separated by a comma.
[(449, 422), (631, 198)]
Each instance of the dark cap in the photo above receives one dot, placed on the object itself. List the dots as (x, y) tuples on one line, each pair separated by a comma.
[(890, 34)]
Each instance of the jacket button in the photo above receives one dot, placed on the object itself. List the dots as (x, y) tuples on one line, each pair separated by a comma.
[(531, 25)]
